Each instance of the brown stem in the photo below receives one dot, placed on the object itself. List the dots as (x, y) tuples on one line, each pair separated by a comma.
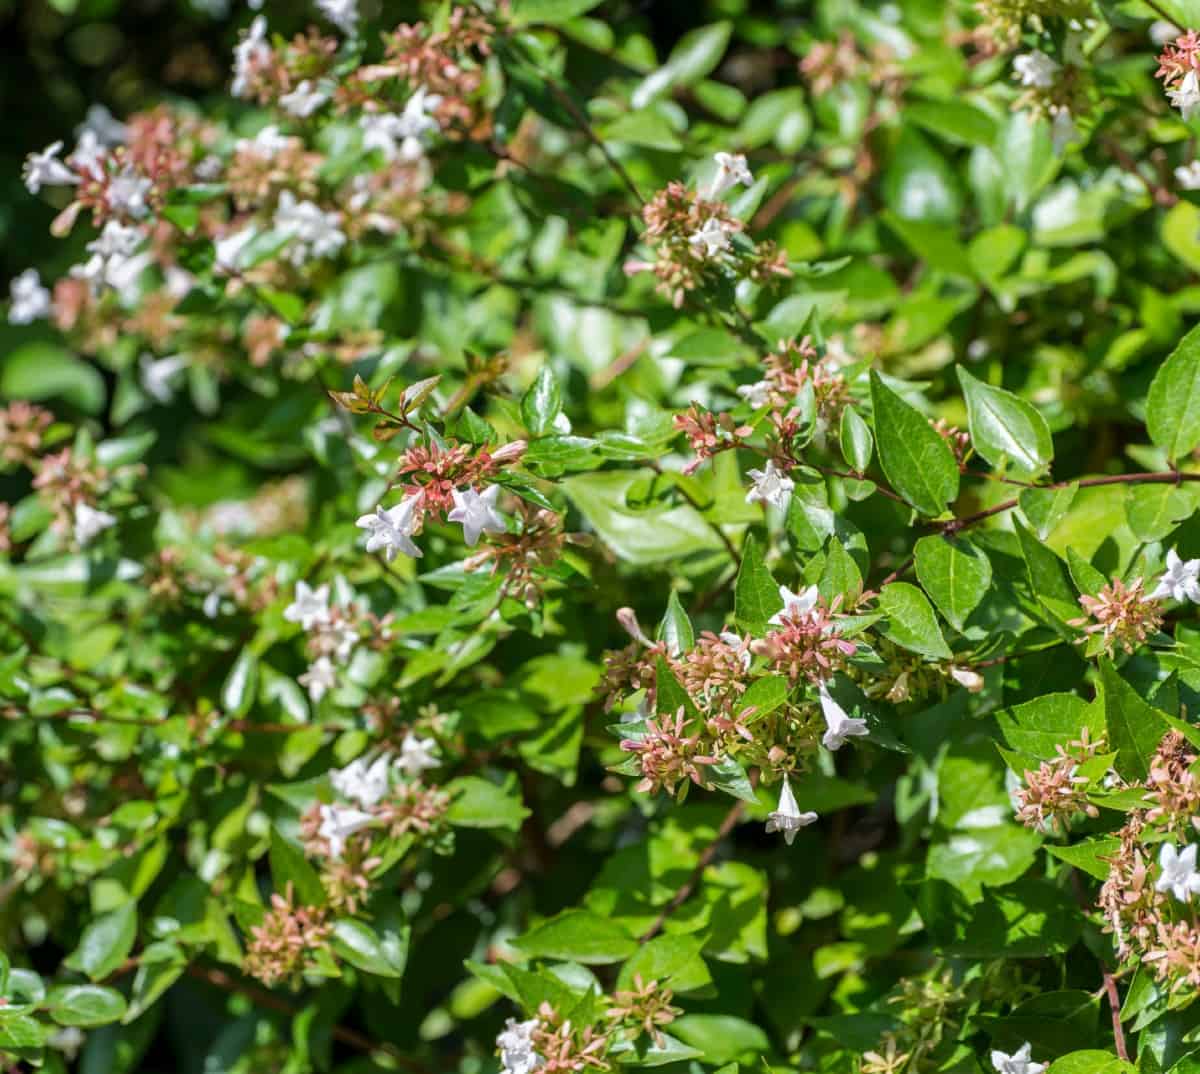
[(685, 891), (1114, 1003), (729, 545), (268, 1000), (1162, 477)]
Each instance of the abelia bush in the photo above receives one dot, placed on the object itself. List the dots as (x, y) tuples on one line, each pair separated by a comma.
[(538, 542)]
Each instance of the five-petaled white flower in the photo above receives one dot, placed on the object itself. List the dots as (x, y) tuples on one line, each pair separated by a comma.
[(309, 607), (115, 261), (319, 679), (1179, 875), (1035, 69), (127, 191), (102, 125), (736, 641), (68, 1040), (1186, 96), (711, 239), (363, 783), (342, 13), (251, 52), (304, 100), (477, 513), (229, 247), (731, 170), (1017, 1063), (787, 817), (416, 755), (338, 823), (515, 1045), (158, 376), (794, 604), (839, 725), (90, 523), (771, 485), (392, 529), (313, 232), (30, 301), (1188, 175), (757, 394), (1180, 581), (45, 169)]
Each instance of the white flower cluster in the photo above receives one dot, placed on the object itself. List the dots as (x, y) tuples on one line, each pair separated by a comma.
[(390, 530), (1180, 581), (367, 784), (712, 237), (311, 610), (515, 1045)]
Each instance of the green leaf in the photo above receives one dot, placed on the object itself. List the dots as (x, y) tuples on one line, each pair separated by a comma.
[(912, 623), (676, 628), (85, 1005), (1005, 428), (542, 404), (290, 866), (578, 936), (1039, 726), (729, 776), (361, 946), (1044, 508), (1092, 856), (19, 1031), (1024, 919), (955, 573), (916, 460), (1086, 578), (105, 943), (765, 694), (38, 370), (237, 694), (1153, 511), (479, 803), (1090, 1061), (696, 55), (856, 440), (1173, 404), (526, 12), (671, 960), (756, 594), (722, 1038), (1134, 727), (1048, 578), (655, 534), (161, 966)]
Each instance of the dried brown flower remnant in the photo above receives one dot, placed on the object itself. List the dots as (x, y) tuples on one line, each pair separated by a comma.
[(667, 754), (565, 1047), (1123, 615), (804, 645), (279, 948), (21, 427), (708, 434), (647, 1005), (1174, 792), (1056, 792)]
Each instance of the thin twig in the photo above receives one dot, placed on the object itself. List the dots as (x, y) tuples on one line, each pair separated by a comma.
[(218, 978), (1114, 1002), (730, 547), (1162, 477), (685, 891)]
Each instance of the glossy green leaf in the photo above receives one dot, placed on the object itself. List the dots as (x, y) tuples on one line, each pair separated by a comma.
[(916, 460)]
